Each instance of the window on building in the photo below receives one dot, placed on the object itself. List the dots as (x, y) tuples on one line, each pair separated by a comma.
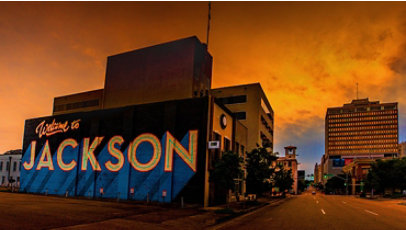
[(226, 144), (264, 106), (233, 99), (2, 179), (14, 166), (76, 105), (58, 108), (1, 165), (240, 115), (18, 179), (8, 166)]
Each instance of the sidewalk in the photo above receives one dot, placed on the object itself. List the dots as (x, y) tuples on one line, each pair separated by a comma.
[(187, 218), (215, 216), (384, 200)]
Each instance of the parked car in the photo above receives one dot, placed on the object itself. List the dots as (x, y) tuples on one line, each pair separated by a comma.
[(313, 192)]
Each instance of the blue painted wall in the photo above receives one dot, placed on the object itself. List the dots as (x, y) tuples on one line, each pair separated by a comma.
[(177, 117)]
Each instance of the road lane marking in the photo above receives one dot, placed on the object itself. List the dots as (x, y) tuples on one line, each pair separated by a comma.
[(371, 212), (322, 210)]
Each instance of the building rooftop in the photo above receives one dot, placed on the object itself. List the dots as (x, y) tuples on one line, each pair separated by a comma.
[(362, 105), (13, 152), (250, 85), (170, 43)]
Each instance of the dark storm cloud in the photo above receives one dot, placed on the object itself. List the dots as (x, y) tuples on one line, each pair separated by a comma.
[(398, 64)]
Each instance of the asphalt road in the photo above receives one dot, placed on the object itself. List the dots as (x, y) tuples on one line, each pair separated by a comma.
[(321, 211), (28, 211)]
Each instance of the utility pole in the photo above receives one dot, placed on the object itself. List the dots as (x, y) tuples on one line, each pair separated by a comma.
[(208, 26)]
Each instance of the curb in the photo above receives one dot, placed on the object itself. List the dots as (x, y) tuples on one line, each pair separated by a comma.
[(246, 213)]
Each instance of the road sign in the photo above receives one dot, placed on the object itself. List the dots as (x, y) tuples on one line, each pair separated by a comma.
[(132, 190), (163, 193)]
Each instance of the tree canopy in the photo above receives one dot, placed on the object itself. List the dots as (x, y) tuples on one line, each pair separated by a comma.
[(226, 170), (259, 170), (387, 174), (336, 184), (283, 179)]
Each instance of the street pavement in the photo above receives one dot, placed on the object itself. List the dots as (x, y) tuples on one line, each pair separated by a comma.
[(321, 211), (29, 211)]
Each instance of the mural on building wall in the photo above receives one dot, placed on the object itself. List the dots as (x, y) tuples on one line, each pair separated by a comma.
[(113, 154)]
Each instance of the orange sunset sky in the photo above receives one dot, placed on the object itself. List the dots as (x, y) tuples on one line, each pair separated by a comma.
[(307, 56)]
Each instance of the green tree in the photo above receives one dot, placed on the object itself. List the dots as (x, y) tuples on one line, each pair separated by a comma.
[(387, 174), (283, 179), (335, 185), (259, 170), (400, 173), (319, 186), (302, 185), (226, 170)]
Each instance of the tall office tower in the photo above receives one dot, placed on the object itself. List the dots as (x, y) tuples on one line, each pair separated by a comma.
[(362, 129)]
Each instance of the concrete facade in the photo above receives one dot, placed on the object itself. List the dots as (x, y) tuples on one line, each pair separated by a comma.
[(251, 106), (289, 162), (175, 70), (402, 149), (79, 102), (10, 168), (360, 129), (232, 136)]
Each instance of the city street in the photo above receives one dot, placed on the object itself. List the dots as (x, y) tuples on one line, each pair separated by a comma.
[(321, 211)]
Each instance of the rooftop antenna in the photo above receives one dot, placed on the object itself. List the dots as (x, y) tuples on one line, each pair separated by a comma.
[(208, 26)]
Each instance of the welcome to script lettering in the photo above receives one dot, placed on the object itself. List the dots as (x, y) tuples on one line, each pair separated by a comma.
[(55, 127)]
